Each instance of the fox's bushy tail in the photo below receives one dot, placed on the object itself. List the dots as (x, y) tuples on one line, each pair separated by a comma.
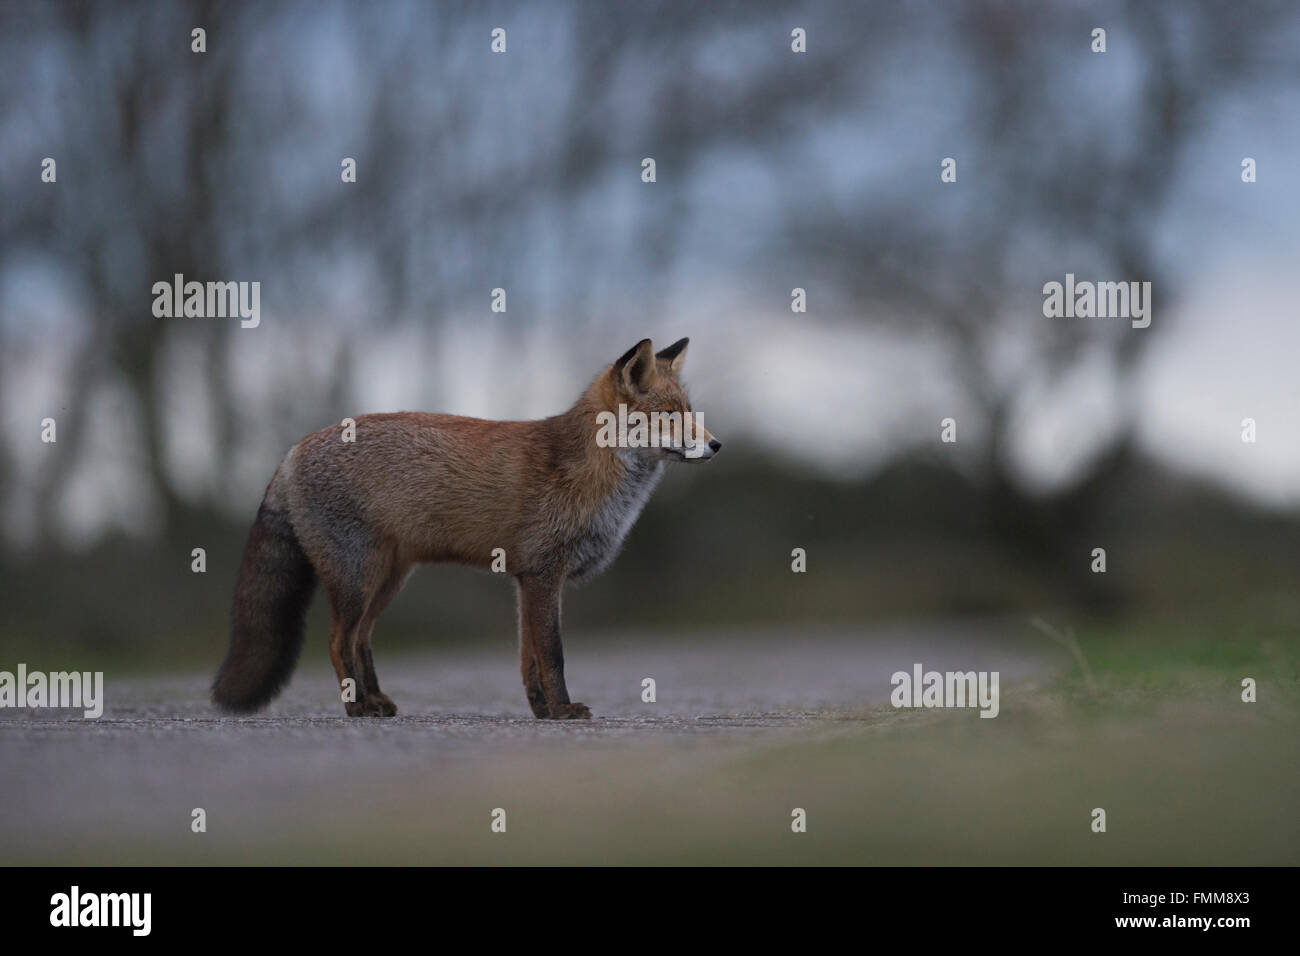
[(274, 588)]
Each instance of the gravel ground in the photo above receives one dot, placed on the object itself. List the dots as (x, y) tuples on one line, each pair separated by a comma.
[(289, 784)]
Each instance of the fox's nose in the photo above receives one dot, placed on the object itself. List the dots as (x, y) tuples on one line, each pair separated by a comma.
[(714, 445)]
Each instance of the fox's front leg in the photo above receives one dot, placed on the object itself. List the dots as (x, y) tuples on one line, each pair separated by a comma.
[(541, 657), (532, 677)]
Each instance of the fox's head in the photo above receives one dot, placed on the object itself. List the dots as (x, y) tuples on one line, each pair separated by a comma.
[(652, 415)]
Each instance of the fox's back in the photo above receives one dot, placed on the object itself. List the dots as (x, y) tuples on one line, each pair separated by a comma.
[(432, 487)]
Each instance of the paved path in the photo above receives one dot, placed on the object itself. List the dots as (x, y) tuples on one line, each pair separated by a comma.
[(121, 788)]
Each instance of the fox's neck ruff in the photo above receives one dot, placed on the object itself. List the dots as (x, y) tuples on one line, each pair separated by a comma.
[(606, 488), (595, 471), (616, 510)]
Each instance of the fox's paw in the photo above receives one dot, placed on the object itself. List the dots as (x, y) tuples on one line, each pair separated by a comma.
[(378, 705), (574, 711), (372, 705)]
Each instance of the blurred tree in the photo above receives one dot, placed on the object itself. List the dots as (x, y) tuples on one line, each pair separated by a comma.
[(224, 165)]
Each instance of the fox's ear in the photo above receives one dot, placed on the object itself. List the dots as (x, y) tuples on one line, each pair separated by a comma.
[(635, 371), (674, 355)]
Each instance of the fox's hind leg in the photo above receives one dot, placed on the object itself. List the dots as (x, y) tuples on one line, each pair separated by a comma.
[(375, 702), (346, 608), (355, 602)]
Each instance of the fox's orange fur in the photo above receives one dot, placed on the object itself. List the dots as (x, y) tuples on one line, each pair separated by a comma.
[(416, 487)]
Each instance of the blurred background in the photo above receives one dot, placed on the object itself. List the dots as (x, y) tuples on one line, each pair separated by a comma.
[(775, 170)]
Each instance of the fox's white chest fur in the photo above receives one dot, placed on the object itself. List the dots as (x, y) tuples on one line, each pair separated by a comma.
[(599, 544)]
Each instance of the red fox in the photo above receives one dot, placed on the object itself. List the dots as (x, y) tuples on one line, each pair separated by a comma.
[(557, 495)]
